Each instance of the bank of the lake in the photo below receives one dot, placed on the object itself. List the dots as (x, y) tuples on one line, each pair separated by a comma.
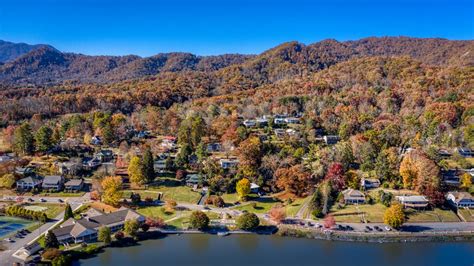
[(249, 249)]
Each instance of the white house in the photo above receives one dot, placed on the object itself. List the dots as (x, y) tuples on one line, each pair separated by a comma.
[(413, 201), (249, 123), (353, 196), (228, 163), (369, 183)]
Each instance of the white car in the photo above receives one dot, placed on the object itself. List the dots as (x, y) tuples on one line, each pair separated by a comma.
[(387, 228)]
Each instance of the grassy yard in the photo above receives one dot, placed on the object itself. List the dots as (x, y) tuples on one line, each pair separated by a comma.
[(143, 194), (172, 189), (257, 205), (230, 198), (435, 215), (158, 212), (293, 208), (467, 214), (354, 213), (61, 194), (51, 210), (179, 194)]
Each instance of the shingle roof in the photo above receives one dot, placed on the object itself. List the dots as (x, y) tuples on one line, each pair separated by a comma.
[(74, 182), (353, 194), (52, 180)]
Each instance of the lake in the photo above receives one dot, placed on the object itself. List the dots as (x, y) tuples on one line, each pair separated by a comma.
[(10, 225), (247, 250)]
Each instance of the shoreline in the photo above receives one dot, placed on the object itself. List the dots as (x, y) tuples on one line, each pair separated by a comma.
[(394, 237)]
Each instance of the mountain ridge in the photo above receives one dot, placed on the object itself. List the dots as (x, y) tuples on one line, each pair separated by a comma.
[(46, 65)]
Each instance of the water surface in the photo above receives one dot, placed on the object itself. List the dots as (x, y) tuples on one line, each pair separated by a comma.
[(244, 250)]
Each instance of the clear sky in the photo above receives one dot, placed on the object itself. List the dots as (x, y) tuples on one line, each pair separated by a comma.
[(147, 27)]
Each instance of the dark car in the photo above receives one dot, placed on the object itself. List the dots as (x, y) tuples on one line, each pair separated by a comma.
[(368, 228)]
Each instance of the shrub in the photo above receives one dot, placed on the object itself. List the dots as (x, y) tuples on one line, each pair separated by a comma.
[(199, 220), (50, 254), (248, 221)]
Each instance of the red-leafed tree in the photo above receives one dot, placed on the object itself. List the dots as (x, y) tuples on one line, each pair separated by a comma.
[(329, 221), (336, 175)]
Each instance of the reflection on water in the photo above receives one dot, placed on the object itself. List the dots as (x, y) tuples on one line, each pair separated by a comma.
[(261, 250)]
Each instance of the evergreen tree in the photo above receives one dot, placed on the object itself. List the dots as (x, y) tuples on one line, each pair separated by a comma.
[(68, 212), (107, 133), (147, 164), (105, 235), (50, 241), (183, 156), (44, 141), (24, 141)]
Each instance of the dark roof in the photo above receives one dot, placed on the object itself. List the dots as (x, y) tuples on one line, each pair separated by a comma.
[(52, 179), (74, 182)]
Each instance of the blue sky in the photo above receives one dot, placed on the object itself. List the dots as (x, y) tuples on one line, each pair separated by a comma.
[(147, 27)]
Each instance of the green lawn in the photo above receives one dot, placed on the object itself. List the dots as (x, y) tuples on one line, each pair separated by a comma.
[(143, 194), (262, 205), (52, 210), (354, 213), (467, 214), (293, 208), (230, 198), (158, 212), (172, 189), (435, 215)]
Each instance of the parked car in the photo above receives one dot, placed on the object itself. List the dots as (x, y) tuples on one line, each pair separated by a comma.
[(9, 240), (60, 200), (368, 228), (30, 200), (42, 200), (387, 228)]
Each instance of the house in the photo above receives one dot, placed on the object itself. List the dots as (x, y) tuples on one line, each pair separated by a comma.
[(86, 229), (92, 163), (465, 152), (353, 196), (291, 132), (24, 171), (142, 134), (104, 155), (262, 122), (193, 180), (27, 250), (214, 147), (96, 140), (70, 168), (292, 120), (74, 185), (249, 123), (331, 139), (254, 188), (460, 199), (413, 201), (159, 165), (28, 183), (368, 183), (5, 158), (444, 154), (451, 177), (53, 182), (228, 163), (279, 121), (168, 142), (279, 133)]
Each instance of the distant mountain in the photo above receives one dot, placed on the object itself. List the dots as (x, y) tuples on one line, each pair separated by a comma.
[(10, 51), (48, 66)]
